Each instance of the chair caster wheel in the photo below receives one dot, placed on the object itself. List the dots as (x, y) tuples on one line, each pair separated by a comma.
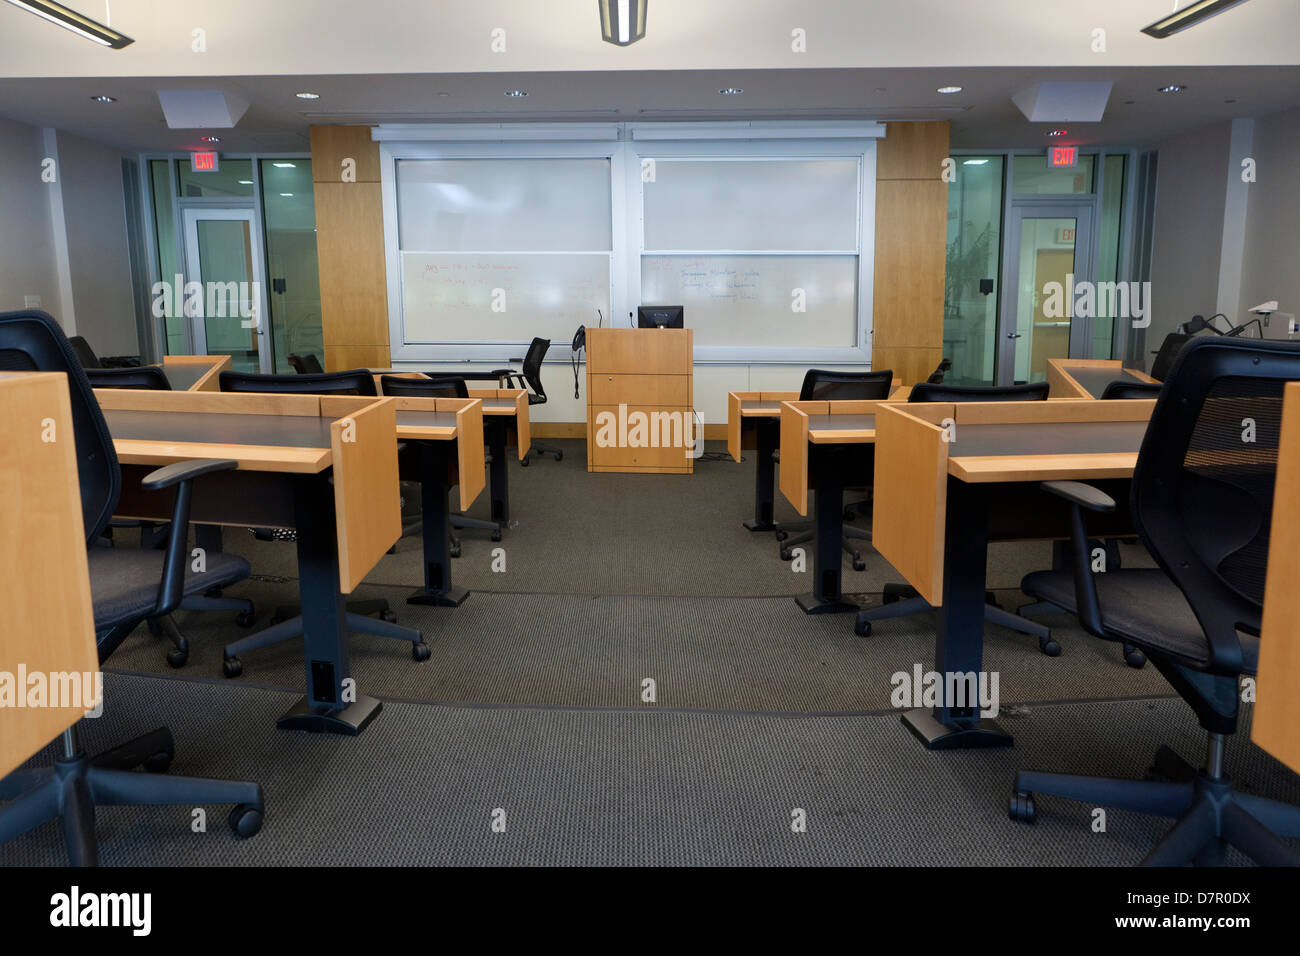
[(245, 618), (523, 462), (496, 535), (177, 658), (232, 667), (454, 551), (859, 564), (157, 763), (1133, 657), (559, 456), (245, 820), (388, 616), (1049, 647), (787, 554), (1022, 808), (781, 535), (862, 628), (421, 651)]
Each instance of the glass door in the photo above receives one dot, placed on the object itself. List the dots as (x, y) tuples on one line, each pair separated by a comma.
[(223, 254), (1048, 256)]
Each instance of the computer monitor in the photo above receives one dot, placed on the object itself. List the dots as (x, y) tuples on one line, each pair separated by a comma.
[(660, 317)]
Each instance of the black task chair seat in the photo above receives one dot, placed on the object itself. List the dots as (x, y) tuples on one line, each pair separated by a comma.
[(1143, 606), (124, 581)]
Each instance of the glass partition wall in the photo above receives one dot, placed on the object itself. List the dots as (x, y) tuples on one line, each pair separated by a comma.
[(1034, 255), (246, 233)]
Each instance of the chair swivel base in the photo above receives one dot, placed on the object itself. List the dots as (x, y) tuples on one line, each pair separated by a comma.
[(1132, 656), (231, 666), (1210, 814), (553, 451), (919, 605), (967, 735), (76, 784), (348, 721), (462, 522)]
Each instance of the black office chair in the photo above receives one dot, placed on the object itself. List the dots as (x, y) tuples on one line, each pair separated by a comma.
[(149, 377), (940, 370), (85, 354), (306, 364), (287, 622), (531, 377), (1168, 354), (439, 386), (1202, 501), (900, 600), (822, 385), (1124, 390), (127, 586)]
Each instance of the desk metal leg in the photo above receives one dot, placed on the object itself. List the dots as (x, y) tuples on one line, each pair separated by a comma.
[(498, 476), (828, 521), (438, 589), (959, 645), (768, 433), (332, 704)]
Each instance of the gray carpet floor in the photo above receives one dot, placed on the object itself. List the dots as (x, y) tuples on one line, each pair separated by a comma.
[(531, 704)]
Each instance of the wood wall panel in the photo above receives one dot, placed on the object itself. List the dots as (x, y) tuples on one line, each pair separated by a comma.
[(330, 145), (912, 365), (912, 151), (338, 358), (350, 250)]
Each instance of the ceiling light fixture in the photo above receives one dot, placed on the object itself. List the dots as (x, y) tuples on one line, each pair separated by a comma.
[(516, 93), (284, 165), (1059, 132), (71, 20), (210, 139), (622, 22), (975, 162), (244, 182), (287, 195), (1189, 16), (101, 98), (731, 91), (307, 96), (948, 89), (1171, 88)]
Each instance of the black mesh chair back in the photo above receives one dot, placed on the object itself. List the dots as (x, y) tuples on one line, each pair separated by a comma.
[(822, 385), (931, 392), (940, 370), (149, 377), (85, 353), (1169, 349), (31, 341), (357, 381), (532, 368), (306, 364), (428, 387), (1130, 390), (1202, 494)]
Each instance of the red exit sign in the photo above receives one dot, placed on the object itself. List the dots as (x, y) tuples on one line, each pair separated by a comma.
[(1062, 156), (204, 162)]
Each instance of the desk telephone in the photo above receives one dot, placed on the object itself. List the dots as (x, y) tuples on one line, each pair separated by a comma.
[(580, 343)]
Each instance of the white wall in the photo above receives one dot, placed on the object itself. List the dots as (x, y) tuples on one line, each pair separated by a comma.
[(1270, 266), (27, 259)]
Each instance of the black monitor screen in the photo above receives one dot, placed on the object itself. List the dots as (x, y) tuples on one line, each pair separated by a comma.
[(660, 317)]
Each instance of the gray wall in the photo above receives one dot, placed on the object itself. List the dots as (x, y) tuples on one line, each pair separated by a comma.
[(1187, 244), (1271, 264), (27, 258)]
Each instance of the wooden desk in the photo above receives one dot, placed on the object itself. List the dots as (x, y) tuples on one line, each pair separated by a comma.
[(952, 477), (646, 372), (1276, 725), (1088, 378), (326, 466), (195, 373), (49, 625)]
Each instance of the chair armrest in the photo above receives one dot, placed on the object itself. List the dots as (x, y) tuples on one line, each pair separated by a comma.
[(1076, 492), (171, 588), (169, 475), (512, 379), (1083, 496)]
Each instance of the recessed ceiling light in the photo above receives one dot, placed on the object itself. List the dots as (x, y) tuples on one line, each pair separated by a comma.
[(1229, 101), (284, 165), (444, 94), (307, 96), (244, 182), (286, 195), (1058, 132), (101, 98), (210, 139), (948, 89), (731, 91), (1172, 88), (516, 92), (975, 162)]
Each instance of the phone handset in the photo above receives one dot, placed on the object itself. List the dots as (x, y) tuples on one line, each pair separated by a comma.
[(579, 343)]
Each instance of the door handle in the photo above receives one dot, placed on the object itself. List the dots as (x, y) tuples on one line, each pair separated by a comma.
[(1013, 335)]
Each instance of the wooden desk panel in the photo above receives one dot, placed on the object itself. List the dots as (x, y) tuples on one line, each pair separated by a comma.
[(640, 372), (195, 373), (1088, 378)]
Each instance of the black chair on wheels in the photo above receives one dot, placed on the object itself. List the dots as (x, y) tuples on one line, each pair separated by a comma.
[(530, 377), (287, 622), (85, 354), (306, 364), (1130, 390), (899, 600), (150, 377), (438, 386), (821, 385), (1202, 501), (127, 586)]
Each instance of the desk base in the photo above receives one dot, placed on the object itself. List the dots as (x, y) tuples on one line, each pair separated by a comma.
[(754, 524), (812, 604), (452, 597), (939, 736), (349, 721)]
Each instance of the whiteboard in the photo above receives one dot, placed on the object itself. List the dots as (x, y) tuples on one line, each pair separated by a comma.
[(450, 297), (750, 300)]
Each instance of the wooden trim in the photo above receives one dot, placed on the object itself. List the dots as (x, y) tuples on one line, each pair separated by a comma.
[(910, 498), (44, 582), (733, 420), (794, 454), (558, 429), (307, 461), (1043, 467), (469, 451), (228, 403), (1064, 385), (210, 381), (1276, 724), (1061, 384), (367, 501), (523, 427)]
